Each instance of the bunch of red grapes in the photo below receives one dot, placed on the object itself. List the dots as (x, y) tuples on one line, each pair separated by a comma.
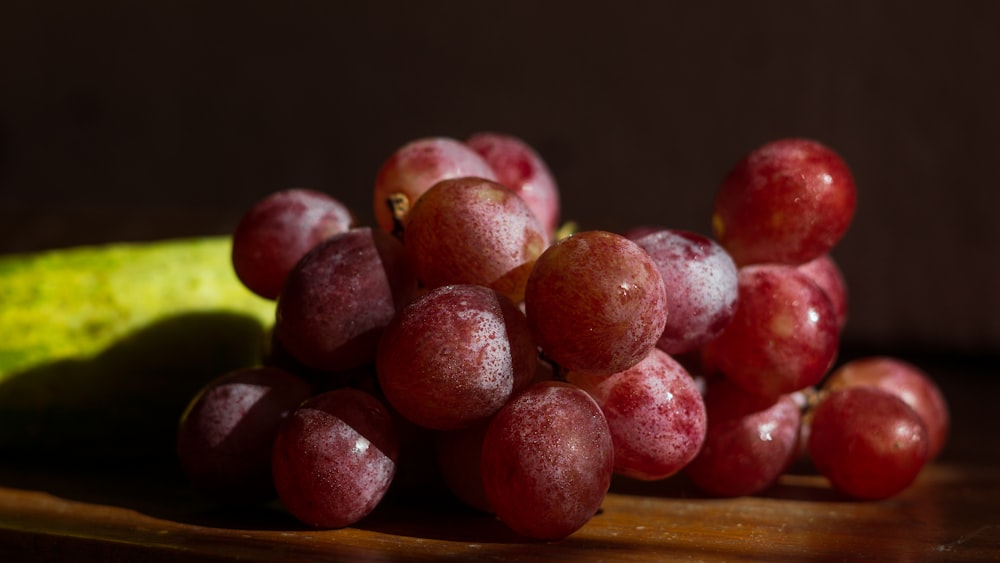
[(466, 332)]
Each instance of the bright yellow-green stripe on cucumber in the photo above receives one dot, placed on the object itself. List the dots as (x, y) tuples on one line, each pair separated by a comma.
[(104, 345), (75, 302)]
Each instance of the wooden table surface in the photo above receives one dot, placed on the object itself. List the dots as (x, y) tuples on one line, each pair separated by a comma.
[(142, 510)]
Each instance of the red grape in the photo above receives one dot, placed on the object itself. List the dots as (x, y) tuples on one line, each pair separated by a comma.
[(701, 283), (340, 296), (416, 166), (596, 303), (750, 441), (335, 457), (784, 336), (547, 461), (473, 231), (827, 275), (788, 201), (519, 167), (278, 230), (904, 380), (655, 412), (455, 356), (226, 432), (868, 442)]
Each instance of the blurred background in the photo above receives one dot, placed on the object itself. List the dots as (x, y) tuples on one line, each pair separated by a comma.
[(144, 120)]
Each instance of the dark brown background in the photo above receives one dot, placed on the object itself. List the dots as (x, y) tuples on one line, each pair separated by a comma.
[(139, 120)]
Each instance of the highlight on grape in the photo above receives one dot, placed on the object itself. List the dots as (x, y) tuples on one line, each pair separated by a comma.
[(466, 341)]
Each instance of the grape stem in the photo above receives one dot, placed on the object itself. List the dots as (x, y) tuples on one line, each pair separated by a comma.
[(558, 372), (399, 206)]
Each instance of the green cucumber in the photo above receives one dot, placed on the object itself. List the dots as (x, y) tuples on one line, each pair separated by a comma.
[(101, 347)]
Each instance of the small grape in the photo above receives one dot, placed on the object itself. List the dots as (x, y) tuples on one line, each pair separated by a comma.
[(278, 231), (335, 457), (868, 442), (547, 461), (655, 413), (226, 432), (596, 303), (788, 201)]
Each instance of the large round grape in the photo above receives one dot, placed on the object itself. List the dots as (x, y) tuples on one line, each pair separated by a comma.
[(473, 231), (787, 201), (868, 442), (278, 231), (547, 461), (655, 412), (340, 296), (784, 335), (455, 356), (335, 457), (596, 303), (413, 168)]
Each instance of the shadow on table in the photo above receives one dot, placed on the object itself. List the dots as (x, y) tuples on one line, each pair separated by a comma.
[(103, 429)]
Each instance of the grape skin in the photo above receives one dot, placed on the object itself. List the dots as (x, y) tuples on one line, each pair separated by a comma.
[(535, 448), (655, 412), (519, 167), (787, 201), (904, 380), (868, 442), (827, 275), (596, 303), (547, 461), (701, 282), (783, 337), (455, 356), (278, 231), (335, 457), (225, 433), (340, 296), (414, 167), (473, 231), (750, 441)]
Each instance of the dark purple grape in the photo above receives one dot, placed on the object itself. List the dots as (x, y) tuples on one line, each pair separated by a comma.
[(335, 457), (339, 298), (278, 231)]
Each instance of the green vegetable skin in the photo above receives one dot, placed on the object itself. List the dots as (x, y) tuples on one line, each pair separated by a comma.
[(101, 347)]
